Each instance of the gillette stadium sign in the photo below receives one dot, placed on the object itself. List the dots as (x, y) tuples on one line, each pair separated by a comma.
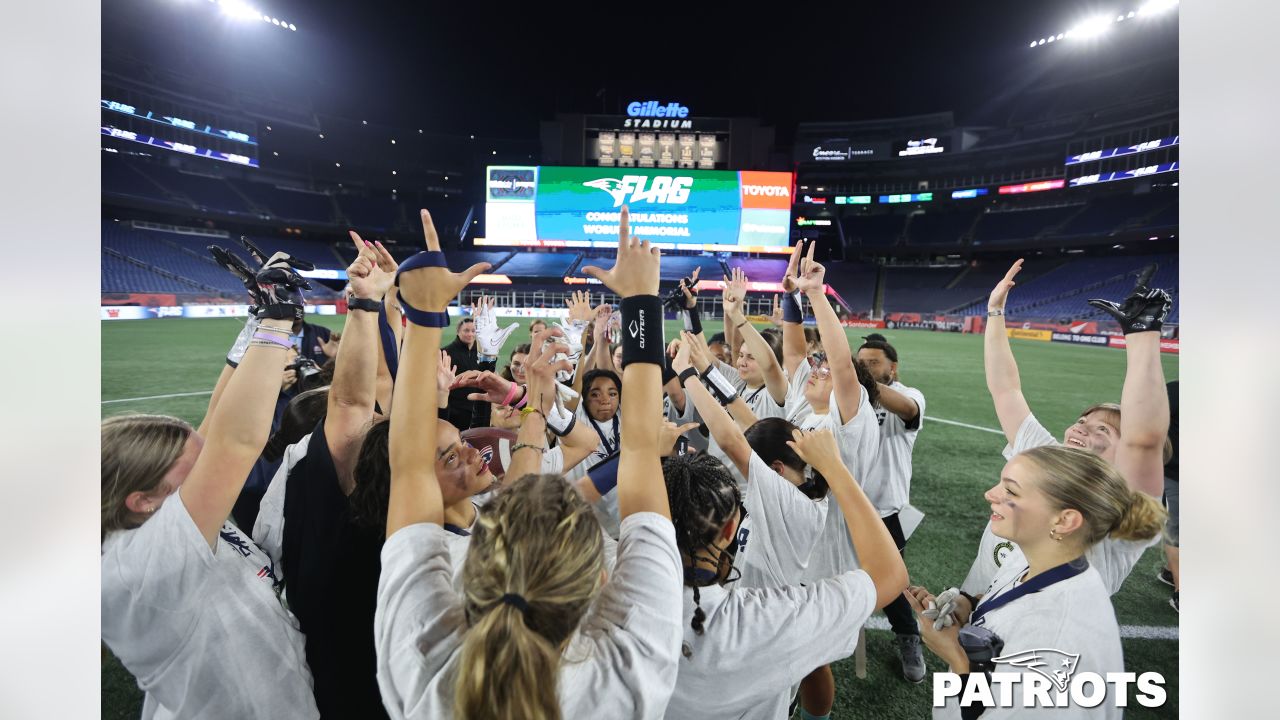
[(653, 114)]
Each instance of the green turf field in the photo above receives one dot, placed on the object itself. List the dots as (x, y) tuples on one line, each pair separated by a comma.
[(954, 465)]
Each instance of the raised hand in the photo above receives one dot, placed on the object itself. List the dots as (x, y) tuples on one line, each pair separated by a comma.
[(812, 273), (493, 387), (1001, 292), (735, 292), (671, 432), (489, 337), (775, 317), (681, 361), (542, 368), (579, 305), (1145, 310), (793, 269), (699, 353), (366, 274), (234, 265), (431, 289), (281, 287), (445, 373), (637, 267), (330, 346), (817, 448)]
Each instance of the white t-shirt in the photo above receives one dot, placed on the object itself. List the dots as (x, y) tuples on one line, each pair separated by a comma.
[(202, 629), (621, 663), (781, 528), (1072, 616), (758, 642), (759, 400), (1112, 559), (888, 483), (797, 407), (859, 442), (604, 448), (268, 528)]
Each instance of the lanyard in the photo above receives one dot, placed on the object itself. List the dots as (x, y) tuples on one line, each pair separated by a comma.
[(1053, 575), (456, 530), (610, 448), (754, 394)]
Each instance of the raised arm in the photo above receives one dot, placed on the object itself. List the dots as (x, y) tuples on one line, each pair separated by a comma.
[(728, 435), (897, 403), (1003, 381), (355, 373), (426, 288), (877, 553), (634, 277), (531, 441), (1144, 401), (844, 377), (704, 362), (794, 347), (237, 428), (774, 379)]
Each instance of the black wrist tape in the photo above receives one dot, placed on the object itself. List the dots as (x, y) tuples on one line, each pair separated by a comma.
[(667, 373), (791, 311), (688, 373), (692, 319), (642, 339)]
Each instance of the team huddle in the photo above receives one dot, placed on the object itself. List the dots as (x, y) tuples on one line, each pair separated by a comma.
[(441, 537)]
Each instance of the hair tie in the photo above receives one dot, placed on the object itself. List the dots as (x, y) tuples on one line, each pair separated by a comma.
[(516, 601)]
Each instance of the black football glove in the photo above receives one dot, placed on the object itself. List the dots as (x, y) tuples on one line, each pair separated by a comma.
[(281, 287), (675, 300), (234, 265), (1144, 310)]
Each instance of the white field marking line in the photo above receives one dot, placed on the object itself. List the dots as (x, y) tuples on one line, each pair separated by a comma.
[(930, 418), (1141, 632), (158, 397)]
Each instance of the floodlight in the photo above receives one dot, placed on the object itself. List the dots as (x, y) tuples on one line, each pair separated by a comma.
[(1092, 27), (293, 27), (1157, 6), (1042, 41), (1060, 36), (393, 172), (1050, 38), (273, 152), (393, 141), (337, 164), (275, 22), (1033, 43), (321, 136), (238, 9)]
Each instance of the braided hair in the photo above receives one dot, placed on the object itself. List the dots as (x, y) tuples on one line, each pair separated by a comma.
[(704, 497)]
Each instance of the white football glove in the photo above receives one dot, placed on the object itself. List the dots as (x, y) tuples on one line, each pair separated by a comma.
[(573, 335), (942, 609), (489, 338)]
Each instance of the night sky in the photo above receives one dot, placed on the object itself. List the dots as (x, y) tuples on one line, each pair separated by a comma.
[(496, 70)]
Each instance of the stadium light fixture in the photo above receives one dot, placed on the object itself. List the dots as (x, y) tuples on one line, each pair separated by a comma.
[(393, 172), (1153, 7), (275, 154), (321, 136), (1033, 43), (1092, 27), (393, 141), (238, 9), (364, 122), (293, 27), (337, 164), (446, 177)]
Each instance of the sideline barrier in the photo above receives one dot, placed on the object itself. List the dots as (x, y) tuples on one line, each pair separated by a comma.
[(1081, 338), (1040, 335), (137, 312), (1167, 345)]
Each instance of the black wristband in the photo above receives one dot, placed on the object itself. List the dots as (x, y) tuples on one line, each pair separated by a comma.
[(365, 304), (667, 373), (693, 319), (688, 373), (642, 340)]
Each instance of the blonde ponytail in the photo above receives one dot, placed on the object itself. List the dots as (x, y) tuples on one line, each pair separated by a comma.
[(1143, 519), (1078, 479), (507, 671), (535, 563)]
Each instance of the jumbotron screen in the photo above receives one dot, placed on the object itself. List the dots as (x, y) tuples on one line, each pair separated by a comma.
[(579, 207)]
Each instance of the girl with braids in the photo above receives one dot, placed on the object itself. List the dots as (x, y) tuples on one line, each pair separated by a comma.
[(744, 648), (1056, 503), (785, 508), (537, 633), (190, 604)]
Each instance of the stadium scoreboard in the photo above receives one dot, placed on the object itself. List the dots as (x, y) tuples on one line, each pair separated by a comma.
[(684, 209)]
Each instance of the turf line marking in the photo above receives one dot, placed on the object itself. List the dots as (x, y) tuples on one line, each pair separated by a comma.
[(158, 397), (963, 425), (1143, 632)]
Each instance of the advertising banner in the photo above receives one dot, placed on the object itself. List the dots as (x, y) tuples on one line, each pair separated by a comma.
[(1041, 335), (713, 210), (1079, 338), (863, 323), (1167, 345)]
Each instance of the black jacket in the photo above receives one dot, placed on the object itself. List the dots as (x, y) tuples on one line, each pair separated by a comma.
[(464, 413)]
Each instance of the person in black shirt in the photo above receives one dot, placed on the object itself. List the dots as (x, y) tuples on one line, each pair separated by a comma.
[(1169, 575), (463, 413)]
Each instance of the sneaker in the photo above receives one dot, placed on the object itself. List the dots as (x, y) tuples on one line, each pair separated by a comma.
[(912, 657), (1173, 603), (1165, 576)]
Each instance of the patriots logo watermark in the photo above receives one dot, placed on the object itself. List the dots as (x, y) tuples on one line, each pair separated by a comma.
[(1056, 665), (1044, 671), (486, 454)]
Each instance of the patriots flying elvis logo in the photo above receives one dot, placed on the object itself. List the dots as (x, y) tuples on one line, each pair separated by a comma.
[(1056, 665), (636, 188)]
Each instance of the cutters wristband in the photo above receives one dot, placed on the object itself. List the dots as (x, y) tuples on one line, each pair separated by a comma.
[(642, 339)]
